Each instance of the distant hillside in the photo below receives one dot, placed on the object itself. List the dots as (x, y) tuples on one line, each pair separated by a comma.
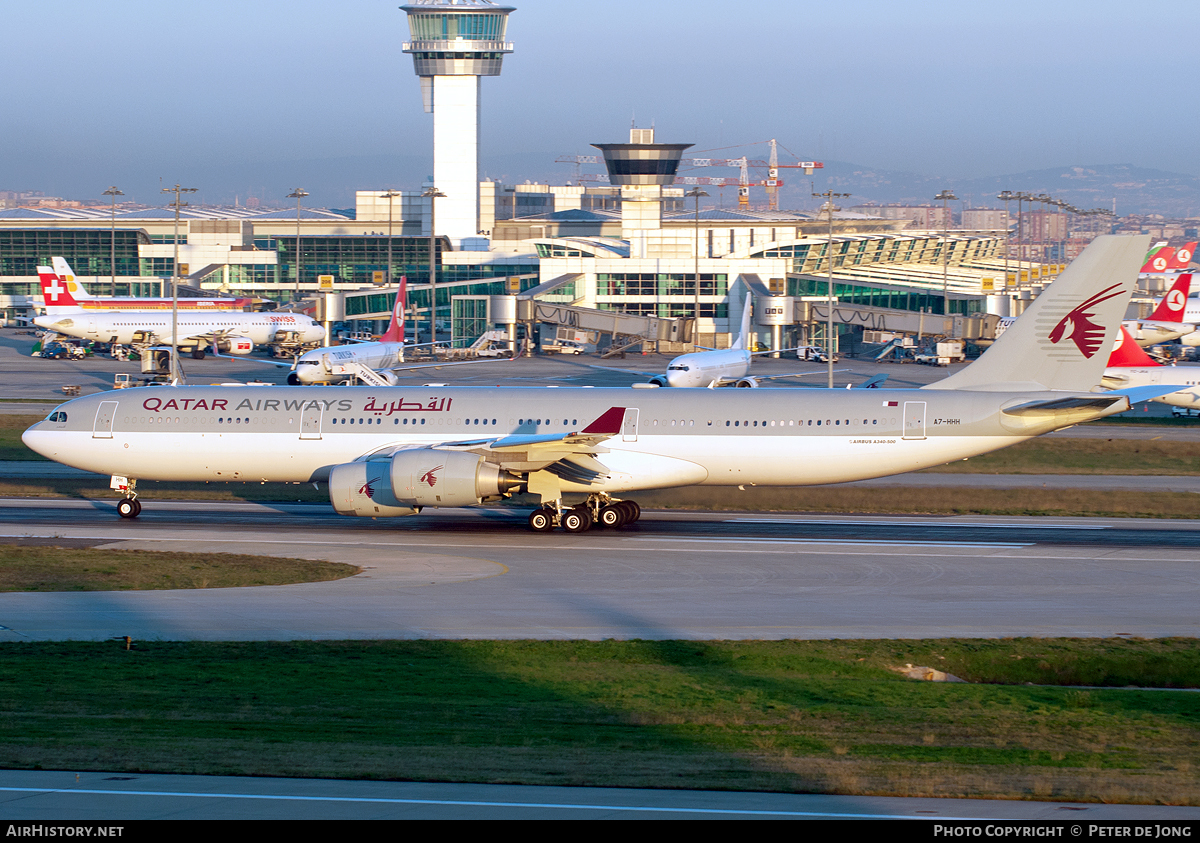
[(1138, 190)]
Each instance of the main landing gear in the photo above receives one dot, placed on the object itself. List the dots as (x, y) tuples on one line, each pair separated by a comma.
[(596, 511)]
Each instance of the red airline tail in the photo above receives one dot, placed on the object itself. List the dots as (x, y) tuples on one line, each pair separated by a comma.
[(1171, 308), (1182, 257), (1159, 260), (55, 292), (395, 331), (1128, 353)]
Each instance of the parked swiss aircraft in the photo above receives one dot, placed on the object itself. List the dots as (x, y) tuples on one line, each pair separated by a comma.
[(1129, 366), (1169, 319), (337, 363), (390, 451), (235, 331), (715, 367), (60, 279)]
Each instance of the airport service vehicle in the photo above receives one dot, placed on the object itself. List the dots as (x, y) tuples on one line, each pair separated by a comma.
[(61, 280), (1130, 366), (233, 331), (391, 451)]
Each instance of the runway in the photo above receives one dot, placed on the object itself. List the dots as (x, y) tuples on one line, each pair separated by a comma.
[(479, 574)]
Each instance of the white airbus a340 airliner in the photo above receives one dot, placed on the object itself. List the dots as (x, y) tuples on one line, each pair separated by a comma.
[(394, 450)]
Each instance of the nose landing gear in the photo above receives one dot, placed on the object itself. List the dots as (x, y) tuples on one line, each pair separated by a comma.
[(129, 506)]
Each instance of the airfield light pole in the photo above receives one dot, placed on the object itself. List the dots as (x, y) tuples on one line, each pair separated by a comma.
[(696, 193), (1005, 196), (387, 277), (829, 208), (297, 194), (1020, 196), (177, 204), (112, 240), (946, 196), (434, 194)]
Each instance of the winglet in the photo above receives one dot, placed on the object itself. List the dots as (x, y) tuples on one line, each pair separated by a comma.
[(609, 423)]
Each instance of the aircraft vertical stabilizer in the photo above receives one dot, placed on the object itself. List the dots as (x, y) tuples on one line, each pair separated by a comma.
[(395, 329), (1062, 340)]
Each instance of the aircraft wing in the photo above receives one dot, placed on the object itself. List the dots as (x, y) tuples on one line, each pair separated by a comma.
[(572, 454), (624, 371)]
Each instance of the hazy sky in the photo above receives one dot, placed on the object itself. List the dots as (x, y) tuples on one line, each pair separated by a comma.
[(238, 96)]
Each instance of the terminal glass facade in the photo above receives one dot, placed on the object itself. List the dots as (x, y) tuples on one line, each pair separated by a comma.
[(88, 250), (930, 301)]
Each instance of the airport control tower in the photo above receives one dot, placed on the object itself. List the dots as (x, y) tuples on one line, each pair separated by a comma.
[(454, 42)]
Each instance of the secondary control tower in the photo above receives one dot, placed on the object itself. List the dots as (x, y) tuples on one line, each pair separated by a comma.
[(454, 43)]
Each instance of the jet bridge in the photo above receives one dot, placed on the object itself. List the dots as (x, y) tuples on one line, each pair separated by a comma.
[(626, 329)]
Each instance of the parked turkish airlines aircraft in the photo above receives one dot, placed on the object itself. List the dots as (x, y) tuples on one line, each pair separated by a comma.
[(1129, 366), (61, 286), (1168, 321), (235, 331), (1164, 258), (337, 363), (394, 450)]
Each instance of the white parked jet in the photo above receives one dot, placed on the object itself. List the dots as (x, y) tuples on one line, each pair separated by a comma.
[(234, 331), (715, 367), (1129, 366), (337, 363), (389, 451)]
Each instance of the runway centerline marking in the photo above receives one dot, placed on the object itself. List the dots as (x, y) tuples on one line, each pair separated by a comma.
[(920, 524), (566, 806), (837, 541)]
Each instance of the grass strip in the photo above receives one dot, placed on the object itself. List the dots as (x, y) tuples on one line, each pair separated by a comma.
[(814, 716), (88, 569)]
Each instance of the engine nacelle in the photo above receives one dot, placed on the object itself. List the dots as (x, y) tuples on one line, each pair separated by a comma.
[(237, 345), (429, 477), (658, 380), (747, 383), (365, 489)]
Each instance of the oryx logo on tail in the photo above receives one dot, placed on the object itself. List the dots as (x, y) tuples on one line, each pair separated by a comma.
[(1085, 333)]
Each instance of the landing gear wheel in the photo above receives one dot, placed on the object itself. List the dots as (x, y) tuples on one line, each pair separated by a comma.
[(541, 520), (577, 520), (635, 511), (612, 515), (129, 508), (197, 353)]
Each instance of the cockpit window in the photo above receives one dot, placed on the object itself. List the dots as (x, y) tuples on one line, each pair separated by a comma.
[(58, 416)]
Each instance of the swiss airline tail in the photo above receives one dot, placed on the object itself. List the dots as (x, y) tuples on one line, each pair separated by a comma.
[(1173, 304), (67, 276), (1126, 352), (1182, 257), (55, 293), (395, 330)]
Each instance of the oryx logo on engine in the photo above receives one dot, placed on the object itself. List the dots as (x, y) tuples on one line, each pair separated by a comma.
[(429, 478)]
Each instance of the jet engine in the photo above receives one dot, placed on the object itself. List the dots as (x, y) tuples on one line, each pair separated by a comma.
[(747, 383), (659, 380), (237, 345), (416, 478)]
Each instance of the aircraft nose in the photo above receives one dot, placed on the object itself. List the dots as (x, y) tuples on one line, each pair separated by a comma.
[(678, 379), (38, 440)]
